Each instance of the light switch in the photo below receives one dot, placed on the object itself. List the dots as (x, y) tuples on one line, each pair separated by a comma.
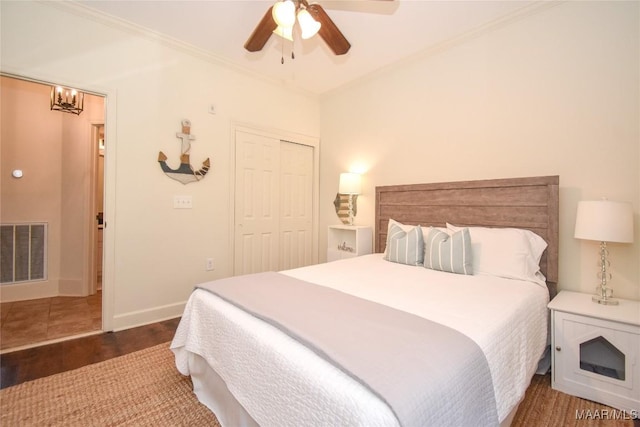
[(182, 202)]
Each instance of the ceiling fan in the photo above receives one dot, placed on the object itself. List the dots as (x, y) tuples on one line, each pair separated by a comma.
[(280, 19)]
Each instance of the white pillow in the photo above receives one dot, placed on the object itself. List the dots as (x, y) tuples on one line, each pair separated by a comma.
[(506, 252)]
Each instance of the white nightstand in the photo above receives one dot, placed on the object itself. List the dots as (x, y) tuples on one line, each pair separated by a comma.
[(596, 349), (346, 241)]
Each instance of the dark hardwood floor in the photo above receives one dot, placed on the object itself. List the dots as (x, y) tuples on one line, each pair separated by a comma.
[(37, 362), (30, 364)]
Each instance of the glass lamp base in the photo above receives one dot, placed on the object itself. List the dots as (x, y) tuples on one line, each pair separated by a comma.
[(604, 300)]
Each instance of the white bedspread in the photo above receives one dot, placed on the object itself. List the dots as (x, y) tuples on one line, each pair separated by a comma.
[(506, 318)]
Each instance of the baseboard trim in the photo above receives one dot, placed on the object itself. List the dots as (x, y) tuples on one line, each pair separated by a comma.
[(144, 317)]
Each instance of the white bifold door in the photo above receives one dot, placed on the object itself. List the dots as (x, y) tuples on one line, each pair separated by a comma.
[(273, 204)]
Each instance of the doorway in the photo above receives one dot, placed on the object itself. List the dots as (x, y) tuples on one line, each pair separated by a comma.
[(57, 186)]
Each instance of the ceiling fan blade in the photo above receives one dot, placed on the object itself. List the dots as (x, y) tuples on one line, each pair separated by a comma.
[(261, 33), (329, 31)]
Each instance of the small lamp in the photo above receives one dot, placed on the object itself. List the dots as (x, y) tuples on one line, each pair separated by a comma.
[(350, 185), (604, 221), (308, 25), (284, 32), (284, 13)]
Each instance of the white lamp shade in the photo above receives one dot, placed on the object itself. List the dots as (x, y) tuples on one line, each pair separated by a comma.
[(349, 183), (604, 221), (284, 32), (308, 25), (284, 13)]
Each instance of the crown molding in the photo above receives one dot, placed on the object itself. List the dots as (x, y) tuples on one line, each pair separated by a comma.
[(503, 21), (120, 24)]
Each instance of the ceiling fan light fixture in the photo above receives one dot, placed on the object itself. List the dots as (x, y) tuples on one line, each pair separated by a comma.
[(284, 13), (284, 32), (308, 25), (320, 23)]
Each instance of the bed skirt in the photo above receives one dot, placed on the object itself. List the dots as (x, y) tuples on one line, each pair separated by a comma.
[(212, 392)]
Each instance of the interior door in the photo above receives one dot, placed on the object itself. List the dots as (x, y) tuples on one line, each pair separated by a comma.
[(256, 203), (97, 211), (273, 216), (296, 205)]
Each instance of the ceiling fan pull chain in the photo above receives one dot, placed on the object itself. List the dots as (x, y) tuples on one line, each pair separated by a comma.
[(293, 56)]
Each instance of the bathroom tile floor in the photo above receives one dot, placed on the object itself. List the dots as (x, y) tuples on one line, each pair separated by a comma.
[(24, 323)]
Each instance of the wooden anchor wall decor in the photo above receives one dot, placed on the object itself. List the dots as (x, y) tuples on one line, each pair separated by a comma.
[(185, 172)]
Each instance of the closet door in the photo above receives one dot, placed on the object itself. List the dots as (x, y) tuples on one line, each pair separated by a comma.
[(273, 204), (296, 205), (256, 203)]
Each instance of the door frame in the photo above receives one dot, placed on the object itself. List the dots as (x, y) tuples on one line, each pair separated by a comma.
[(91, 220), (281, 135), (109, 121)]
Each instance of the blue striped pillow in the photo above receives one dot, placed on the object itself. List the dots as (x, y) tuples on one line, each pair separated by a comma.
[(405, 247), (450, 253)]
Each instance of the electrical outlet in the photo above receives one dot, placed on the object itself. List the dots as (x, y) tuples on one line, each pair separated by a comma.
[(182, 202), (209, 264)]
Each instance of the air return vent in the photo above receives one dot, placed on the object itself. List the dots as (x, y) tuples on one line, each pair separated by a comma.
[(23, 252)]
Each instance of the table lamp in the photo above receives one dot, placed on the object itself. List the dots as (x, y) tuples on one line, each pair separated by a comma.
[(604, 221), (350, 185)]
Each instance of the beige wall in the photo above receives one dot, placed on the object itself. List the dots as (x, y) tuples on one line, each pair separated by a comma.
[(53, 150), (555, 93), (154, 254)]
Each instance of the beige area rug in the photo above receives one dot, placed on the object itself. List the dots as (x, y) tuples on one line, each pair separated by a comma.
[(138, 389), (145, 389)]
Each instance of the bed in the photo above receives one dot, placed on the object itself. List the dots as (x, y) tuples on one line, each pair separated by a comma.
[(251, 367)]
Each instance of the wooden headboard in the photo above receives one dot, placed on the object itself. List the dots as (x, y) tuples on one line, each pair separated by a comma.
[(529, 203)]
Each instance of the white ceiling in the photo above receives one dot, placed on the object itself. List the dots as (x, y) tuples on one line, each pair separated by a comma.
[(380, 32)]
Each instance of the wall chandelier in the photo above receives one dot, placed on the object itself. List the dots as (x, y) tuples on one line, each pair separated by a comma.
[(67, 100)]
